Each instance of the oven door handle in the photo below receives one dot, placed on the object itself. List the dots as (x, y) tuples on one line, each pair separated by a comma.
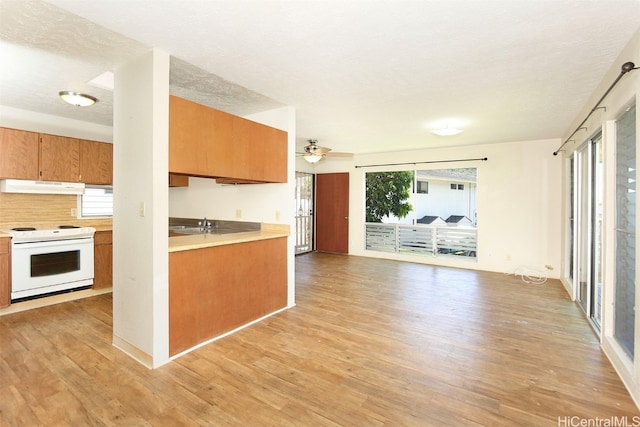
[(50, 243)]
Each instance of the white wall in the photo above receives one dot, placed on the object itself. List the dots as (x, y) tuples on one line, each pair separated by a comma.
[(266, 203), (140, 239), (519, 197), (442, 201), (45, 123)]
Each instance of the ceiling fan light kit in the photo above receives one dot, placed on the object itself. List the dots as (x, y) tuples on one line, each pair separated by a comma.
[(76, 98), (312, 158)]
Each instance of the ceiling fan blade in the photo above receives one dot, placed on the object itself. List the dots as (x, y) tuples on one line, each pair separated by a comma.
[(321, 150), (336, 154)]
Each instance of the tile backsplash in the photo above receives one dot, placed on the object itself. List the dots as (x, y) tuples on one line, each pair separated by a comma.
[(42, 210)]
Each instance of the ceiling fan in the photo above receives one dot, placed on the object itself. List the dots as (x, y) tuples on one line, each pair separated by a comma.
[(313, 153)]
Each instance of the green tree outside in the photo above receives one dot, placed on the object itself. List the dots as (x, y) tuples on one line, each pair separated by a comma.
[(387, 194)]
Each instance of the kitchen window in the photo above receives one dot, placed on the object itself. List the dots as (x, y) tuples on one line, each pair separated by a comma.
[(97, 201)]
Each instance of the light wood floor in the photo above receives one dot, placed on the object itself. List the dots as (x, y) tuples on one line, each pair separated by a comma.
[(370, 343)]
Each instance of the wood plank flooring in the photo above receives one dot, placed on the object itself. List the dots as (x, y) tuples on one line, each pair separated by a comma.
[(370, 343)]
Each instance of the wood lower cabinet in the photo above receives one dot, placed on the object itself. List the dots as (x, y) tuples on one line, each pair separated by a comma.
[(217, 289), (103, 260), (5, 271), (18, 154), (209, 143)]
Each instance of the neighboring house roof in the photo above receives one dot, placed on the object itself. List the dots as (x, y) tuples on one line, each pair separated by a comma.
[(430, 219), (457, 219), (458, 174)]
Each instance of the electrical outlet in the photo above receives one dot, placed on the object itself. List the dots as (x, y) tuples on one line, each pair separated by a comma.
[(277, 215), (238, 213), (74, 212), (141, 210)]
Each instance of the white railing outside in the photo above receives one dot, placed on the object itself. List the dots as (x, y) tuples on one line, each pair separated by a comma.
[(303, 233), (422, 239)]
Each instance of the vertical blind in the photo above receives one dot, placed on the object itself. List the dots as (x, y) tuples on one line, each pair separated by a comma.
[(625, 289)]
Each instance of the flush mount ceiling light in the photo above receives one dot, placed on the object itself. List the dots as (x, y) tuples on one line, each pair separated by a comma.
[(446, 131), (312, 158), (77, 99)]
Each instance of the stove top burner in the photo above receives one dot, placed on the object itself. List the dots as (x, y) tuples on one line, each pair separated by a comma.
[(20, 235)]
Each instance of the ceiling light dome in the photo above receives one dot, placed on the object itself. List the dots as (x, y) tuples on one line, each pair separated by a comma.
[(77, 99), (312, 158), (446, 131)]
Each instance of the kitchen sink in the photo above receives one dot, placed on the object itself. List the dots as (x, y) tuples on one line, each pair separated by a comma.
[(194, 226), (183, 229)]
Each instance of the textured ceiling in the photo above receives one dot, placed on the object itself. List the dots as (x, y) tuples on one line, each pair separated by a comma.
[(364, 76)]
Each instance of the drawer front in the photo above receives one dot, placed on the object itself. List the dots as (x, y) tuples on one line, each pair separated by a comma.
[(103, 237)]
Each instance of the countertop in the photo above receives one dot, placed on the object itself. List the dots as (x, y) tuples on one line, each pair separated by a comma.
[(198, 241)]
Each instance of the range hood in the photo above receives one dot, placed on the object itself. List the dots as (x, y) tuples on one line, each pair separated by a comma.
[(40, 187)]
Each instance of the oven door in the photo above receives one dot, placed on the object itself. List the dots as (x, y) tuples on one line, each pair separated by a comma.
[(44, 267)]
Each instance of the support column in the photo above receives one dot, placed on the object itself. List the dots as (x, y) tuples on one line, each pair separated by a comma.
[(140, 217)]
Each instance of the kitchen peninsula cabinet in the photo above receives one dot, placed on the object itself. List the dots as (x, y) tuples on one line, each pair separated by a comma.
[(209, 143), (19, 159), (5, 271), (214, 290), (103, 260)]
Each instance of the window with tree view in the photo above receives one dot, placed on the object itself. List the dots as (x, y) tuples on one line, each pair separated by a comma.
[(416, 212)]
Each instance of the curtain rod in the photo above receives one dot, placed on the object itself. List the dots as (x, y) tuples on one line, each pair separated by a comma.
[(626, 67), (484, 159)]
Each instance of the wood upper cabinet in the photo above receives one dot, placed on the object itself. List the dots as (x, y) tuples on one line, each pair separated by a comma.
[(178, 180), (96, 162), (30, 155), (210, 143), (18, 154), (5, 271), (59, 158)]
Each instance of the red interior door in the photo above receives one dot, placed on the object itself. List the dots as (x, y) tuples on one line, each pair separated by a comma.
[(332, 212)]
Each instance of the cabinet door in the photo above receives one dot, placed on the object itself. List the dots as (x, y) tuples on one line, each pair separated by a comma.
[(275, 155), (59, 158), (261, 150), (199, 140), (103, 260), (5, 272), (19, 159), (96, 162)]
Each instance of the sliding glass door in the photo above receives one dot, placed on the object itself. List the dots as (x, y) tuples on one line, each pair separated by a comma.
[(586, 219)]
